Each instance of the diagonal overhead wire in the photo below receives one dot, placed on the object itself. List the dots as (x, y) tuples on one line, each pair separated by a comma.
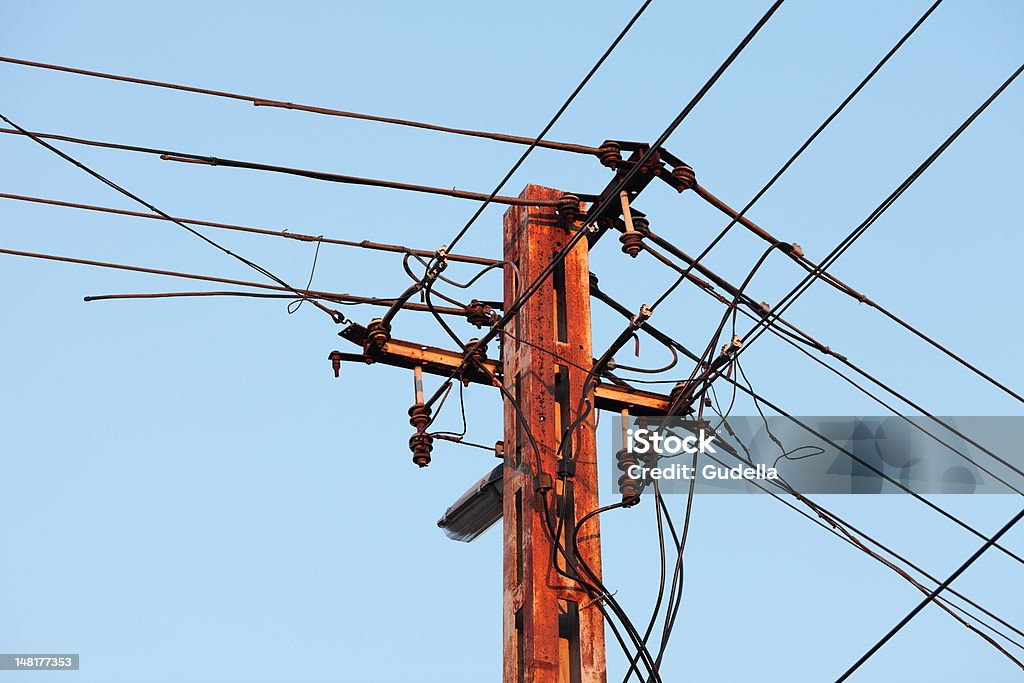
[(738, 218), (425, 284), (550, 124), (931, 597), (613, 196), (786, 301), (335, 315)]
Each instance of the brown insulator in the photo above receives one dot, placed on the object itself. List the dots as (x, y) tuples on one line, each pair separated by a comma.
[(685, 175), (678, 390), (568, 208), (610, 154), (419, 416), (631, 239), (629, 487), (475, 353), (421, 444), (378, 333)]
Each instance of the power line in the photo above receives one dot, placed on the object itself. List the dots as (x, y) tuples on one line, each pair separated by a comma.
[(931, 596), (740, 216), (301, 237), (840, 528), (613, 196), (758, 312), (434, 270), (206, 160), (295, 293), (335, 315), (265, 102), (666, 339), (857, 232)]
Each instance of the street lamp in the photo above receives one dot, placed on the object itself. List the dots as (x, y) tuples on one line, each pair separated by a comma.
[(476, 510)]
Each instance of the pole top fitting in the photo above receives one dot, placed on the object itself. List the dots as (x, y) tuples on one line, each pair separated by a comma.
[(734, 345)]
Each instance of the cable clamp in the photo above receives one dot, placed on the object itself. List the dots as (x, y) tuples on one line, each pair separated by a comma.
[(600, 599), (734, 345), (566, 468), (638, 320), (439, 263)]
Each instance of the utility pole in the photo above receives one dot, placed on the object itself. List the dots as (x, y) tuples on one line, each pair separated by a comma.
[(552, 632), (553, 629)]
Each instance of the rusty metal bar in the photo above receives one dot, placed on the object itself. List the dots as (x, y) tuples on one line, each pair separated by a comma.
[(438, 361)]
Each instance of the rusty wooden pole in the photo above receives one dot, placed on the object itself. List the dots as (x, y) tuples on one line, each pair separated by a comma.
[(552, 631)]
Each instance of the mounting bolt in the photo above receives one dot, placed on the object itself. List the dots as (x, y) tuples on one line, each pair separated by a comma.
[(335, 358)]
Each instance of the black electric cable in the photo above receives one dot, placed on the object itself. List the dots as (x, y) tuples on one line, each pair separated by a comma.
[(298, 236), (807, 340), (554, 119), (931, 596), (857, 232), (625, 179), (842, 529), (335, 315), (953, 518), (813, 136), (327, 176)]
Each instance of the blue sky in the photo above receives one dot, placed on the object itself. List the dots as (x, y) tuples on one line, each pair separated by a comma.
[(189, 494)]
